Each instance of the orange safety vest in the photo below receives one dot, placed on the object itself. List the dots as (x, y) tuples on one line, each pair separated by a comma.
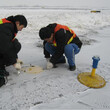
[(58, 27), (4, 20)]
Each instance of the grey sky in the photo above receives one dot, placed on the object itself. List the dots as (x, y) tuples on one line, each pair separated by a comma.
[(71, 3)]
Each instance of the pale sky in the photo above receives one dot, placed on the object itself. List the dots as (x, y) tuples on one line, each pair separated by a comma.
[(72, 3)]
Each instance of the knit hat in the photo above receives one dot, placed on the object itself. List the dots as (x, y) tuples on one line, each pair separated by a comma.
[(45, 32)]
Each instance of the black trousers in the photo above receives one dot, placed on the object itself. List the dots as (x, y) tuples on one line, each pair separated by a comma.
[(10, 57)]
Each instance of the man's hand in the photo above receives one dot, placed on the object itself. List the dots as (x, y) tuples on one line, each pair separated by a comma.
[(49, 64), (47, 59), (17, 66), (19, 61)]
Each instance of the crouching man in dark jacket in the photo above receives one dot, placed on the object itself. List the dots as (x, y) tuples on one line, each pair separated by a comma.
[(58, 40), (9, 45)]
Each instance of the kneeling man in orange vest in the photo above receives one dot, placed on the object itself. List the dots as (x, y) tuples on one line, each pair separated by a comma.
[(58, 40)]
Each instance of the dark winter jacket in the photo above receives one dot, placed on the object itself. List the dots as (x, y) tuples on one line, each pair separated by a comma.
[(62, 36), (9, 48)]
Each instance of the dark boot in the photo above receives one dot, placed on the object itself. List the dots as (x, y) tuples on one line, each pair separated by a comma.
[(2, 81), (63, 60), (72, 68), (3, 71)]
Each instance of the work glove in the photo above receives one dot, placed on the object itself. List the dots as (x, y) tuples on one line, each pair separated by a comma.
[(17, 66), (47, 59), (49, 64), (19, 61)]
